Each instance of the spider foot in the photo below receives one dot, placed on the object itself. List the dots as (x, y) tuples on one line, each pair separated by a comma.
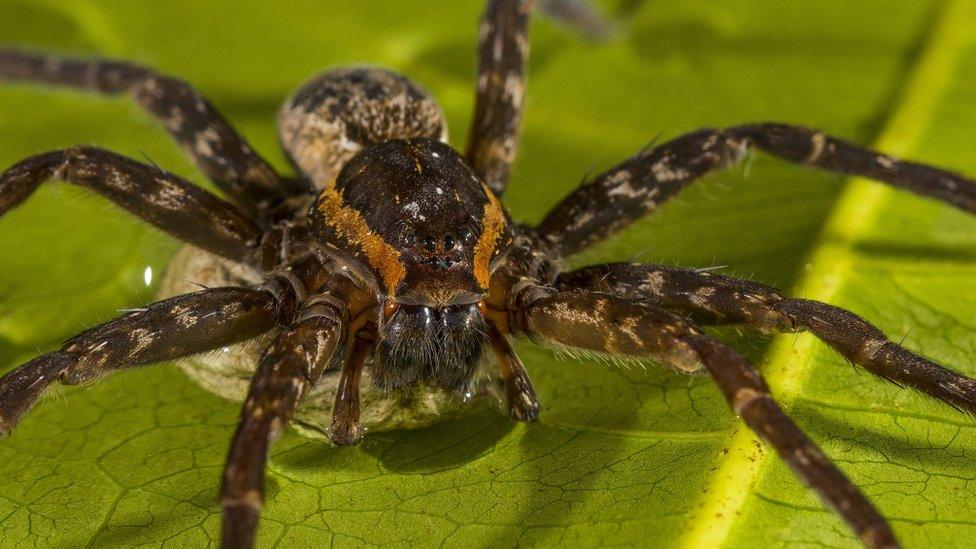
[(21, 388), (524, 411), (240, 521), (345, 430), (523, 405), (879, 536)]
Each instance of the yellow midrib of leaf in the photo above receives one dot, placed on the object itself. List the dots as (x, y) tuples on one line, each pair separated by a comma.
[(789, 356)]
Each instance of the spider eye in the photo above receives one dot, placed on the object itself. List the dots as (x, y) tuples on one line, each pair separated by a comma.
[(429, 243), (449, 242)]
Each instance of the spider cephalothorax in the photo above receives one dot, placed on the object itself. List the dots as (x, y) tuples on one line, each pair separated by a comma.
[(419, 218), (387, 268), (416, 225)]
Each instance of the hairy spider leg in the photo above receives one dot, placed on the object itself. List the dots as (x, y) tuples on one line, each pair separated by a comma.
[(503, 51), (289, 366), (624, 327), (345, 429), (523, 404), (217, 149), (313, 312), (618, 197), (165, 330), (169, 202), (715, 299)]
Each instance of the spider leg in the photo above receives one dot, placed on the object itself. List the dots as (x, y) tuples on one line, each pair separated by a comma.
[(717, 299), (345, 430), (503, 50), (607, 324), (625, 193), (290, 365), (219, 151), (523, 404), (163, 199), (165, 330)]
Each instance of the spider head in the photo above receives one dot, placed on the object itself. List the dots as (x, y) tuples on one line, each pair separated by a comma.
[(420, 228)]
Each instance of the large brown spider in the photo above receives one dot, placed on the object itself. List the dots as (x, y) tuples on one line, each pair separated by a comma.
[(390, 256)]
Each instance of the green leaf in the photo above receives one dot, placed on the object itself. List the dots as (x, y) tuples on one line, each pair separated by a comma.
[(620, 456)]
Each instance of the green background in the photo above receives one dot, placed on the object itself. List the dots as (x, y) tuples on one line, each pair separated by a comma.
[(621, 455)]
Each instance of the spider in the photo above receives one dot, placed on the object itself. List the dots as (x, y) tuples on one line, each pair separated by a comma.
[(388, 269)]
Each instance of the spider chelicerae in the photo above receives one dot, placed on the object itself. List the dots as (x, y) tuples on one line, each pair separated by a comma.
[(388, 269)]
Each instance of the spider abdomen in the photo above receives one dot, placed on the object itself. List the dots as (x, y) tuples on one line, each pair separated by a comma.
[(336, 114)]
